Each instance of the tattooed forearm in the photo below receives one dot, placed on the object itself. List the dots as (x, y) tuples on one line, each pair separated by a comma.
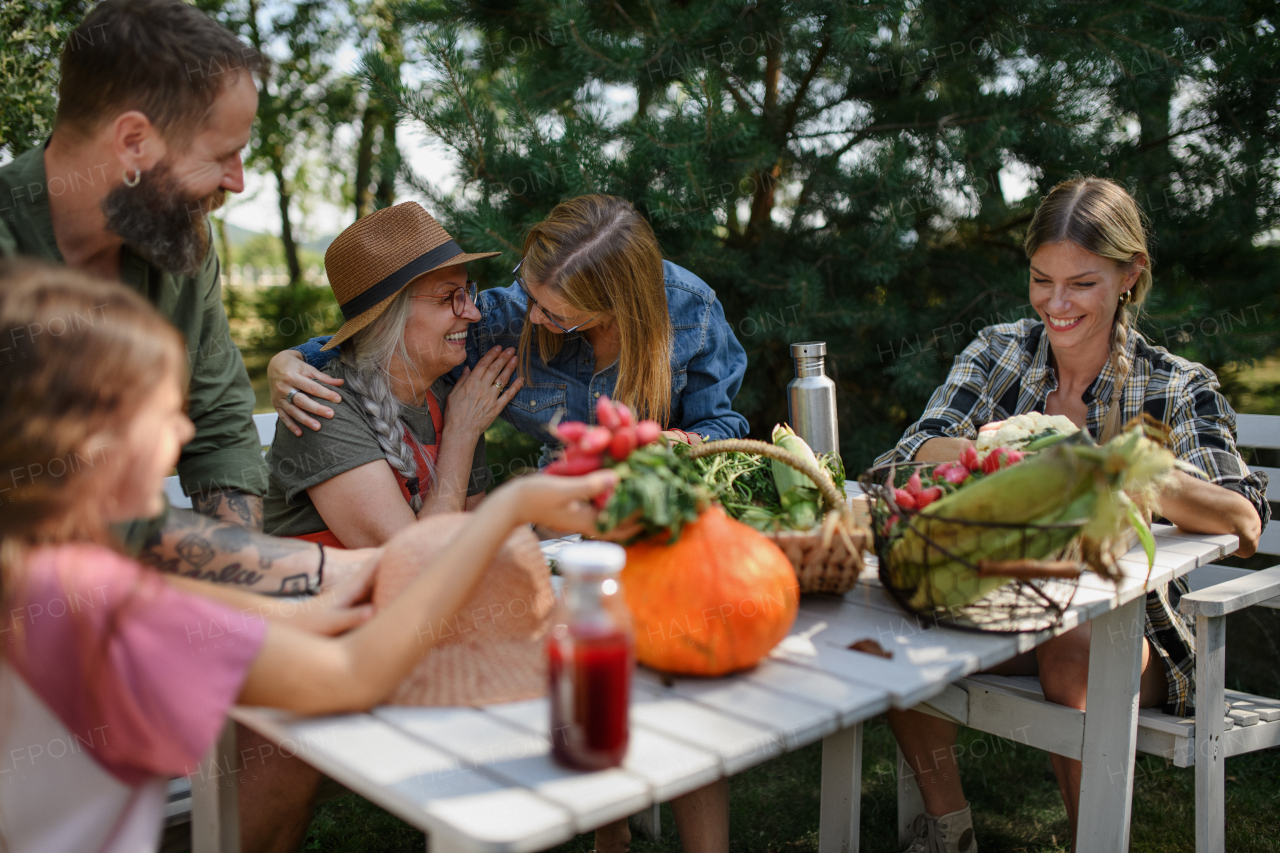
[(197, 547), (230, 505)]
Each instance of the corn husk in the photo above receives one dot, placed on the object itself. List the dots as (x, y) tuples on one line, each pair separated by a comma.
[(1072, 489), (797, 492)]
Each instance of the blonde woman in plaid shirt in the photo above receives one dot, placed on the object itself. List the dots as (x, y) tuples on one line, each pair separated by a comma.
[(1090, 273)]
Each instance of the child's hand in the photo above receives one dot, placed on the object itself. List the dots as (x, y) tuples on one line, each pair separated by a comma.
[(332, 612), (561, 503)]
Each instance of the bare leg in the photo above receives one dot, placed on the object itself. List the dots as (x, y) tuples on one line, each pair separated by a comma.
[(702, 818), (277, 794), (927, 743), (614, 837), (1064, 677)]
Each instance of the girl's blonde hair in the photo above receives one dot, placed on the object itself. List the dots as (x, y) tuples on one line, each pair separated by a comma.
[(1099, 216), (84, 355), (598, 254)]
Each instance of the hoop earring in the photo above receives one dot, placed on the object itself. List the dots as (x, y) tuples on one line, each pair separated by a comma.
[(1126, 297), (137, 177)]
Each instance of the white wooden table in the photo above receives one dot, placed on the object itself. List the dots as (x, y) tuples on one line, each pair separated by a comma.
[(482, 780)]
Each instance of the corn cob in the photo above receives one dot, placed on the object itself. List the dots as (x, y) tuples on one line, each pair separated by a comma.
[(1039, 487), (1072, 480), (798, 493)]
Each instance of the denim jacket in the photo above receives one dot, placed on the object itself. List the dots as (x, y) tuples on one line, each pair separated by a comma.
[(707, 362)]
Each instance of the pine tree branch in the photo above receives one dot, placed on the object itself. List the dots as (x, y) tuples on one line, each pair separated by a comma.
[(573, 26), (740, 96), (1215, 19), (478, 163), (1167, 137), (802, 90)]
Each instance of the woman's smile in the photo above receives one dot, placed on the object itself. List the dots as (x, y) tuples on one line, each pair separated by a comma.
[(1062, 324)]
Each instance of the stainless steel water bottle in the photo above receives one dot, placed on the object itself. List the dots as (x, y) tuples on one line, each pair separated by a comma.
[(811, 398)]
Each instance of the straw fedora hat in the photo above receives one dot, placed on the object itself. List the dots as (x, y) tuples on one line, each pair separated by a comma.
[(492, 649), (379, 255)]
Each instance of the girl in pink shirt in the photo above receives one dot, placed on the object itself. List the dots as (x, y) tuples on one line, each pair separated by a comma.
[(111, 679)]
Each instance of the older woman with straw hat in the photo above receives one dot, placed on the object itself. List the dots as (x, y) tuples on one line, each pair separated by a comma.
[(411, 444), (594, 311)]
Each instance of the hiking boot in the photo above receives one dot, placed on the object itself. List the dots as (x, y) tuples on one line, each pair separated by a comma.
[(951, 833)]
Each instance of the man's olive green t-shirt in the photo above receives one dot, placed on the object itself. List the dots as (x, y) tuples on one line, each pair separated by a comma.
[(344, 442), (224, 452)]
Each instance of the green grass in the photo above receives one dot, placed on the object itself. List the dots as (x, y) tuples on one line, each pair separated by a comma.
[(1017, 809)]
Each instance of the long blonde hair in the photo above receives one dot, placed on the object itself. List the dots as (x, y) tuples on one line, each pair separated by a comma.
[(599, 255), (1099, 216)]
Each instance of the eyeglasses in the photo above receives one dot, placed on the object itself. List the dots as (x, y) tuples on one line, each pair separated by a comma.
[(459, 297), (533, 303)]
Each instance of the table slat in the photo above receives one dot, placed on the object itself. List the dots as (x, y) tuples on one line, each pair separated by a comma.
[(427, 787), (791, 720), (737, 743), (524, 757), (669, 766)]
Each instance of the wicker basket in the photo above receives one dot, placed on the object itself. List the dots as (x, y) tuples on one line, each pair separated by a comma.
[(827, 558), (823, 564), (1034, 597)]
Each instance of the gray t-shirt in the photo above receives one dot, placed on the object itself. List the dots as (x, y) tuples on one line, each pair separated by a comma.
[(345, 442)]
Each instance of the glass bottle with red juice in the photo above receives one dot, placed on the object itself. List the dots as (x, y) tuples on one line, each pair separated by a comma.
[(589, 659)]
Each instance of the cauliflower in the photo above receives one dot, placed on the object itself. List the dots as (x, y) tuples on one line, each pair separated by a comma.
[(1020, 430)]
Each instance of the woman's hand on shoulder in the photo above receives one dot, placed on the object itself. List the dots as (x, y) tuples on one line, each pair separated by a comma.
[(482, 393), (288, 371)]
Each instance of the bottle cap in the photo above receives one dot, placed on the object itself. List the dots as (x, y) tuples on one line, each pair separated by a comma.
[(586, 559), (809, 349)]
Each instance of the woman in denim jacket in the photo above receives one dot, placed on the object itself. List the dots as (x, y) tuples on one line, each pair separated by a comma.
[(586, 315)]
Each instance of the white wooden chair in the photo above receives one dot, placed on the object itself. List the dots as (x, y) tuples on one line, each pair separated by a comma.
[(1000, 705), (266, 425)]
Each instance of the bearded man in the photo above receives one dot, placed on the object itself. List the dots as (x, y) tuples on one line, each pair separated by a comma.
[(155, 105)]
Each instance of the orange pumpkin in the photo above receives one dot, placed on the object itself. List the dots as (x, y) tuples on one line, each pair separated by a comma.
[(714, 602)]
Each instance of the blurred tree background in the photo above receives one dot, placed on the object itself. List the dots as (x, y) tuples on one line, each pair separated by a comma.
[(863, 174), (852, 172), (34, 33)]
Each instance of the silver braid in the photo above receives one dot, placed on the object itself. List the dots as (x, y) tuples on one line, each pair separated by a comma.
[(373, 391)]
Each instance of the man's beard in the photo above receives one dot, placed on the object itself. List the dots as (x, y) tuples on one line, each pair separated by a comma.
[(161, 222)]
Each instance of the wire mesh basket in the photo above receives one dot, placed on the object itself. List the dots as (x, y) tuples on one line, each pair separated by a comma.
[(1024, 582)]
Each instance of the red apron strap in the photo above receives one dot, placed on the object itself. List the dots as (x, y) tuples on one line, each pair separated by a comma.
[(422, 453)]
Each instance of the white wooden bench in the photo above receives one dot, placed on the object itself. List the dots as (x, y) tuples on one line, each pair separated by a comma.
[(1227, 722), (266, 425), (177, 813)]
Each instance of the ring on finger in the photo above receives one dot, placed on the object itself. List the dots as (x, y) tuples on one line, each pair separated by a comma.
[(498, 385), (288, 398)]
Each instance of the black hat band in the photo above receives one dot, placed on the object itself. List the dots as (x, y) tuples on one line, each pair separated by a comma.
[(391, 285)]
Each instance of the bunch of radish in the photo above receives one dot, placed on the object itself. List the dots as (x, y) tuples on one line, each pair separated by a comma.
[(588, 448), (919, 492)]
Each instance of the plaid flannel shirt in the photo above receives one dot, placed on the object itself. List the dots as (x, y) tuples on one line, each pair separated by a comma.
[(1005, 371)]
